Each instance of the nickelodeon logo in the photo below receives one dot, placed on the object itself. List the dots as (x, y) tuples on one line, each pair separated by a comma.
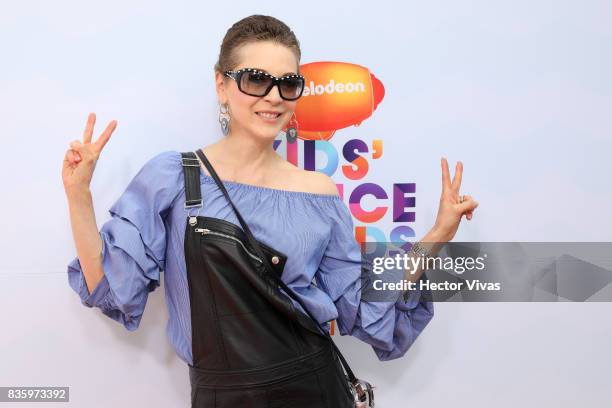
[(337, 95), (332, 87)]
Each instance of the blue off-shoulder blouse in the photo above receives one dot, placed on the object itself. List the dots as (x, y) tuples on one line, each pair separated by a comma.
[(145, 236)]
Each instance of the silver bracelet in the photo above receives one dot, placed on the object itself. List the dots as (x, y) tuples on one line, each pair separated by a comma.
[(419, 250)]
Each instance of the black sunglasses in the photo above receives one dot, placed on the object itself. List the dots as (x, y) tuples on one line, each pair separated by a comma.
[(255, 82)]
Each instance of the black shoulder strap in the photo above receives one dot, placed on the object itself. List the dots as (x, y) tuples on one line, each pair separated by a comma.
[(191, 170), (257, 248)]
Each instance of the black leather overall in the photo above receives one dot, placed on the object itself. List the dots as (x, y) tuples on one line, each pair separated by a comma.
[(251, 346)]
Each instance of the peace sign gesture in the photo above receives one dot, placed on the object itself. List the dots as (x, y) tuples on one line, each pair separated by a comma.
[(452, 207), (80, 160)]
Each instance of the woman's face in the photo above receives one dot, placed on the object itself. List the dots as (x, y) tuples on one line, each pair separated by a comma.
[(275, 59)]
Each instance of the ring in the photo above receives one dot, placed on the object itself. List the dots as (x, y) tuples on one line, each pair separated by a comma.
[(461, 198)]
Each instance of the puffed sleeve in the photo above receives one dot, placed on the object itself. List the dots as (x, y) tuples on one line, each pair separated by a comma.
[(133, 243), (389, 327)]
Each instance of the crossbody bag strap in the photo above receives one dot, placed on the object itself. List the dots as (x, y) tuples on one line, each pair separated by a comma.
[(191, 173), (256, 247)]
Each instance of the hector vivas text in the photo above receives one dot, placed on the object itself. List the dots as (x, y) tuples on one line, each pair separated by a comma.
[(458, 265)]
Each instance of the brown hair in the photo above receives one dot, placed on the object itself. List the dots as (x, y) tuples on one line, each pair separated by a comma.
[(252, 29)]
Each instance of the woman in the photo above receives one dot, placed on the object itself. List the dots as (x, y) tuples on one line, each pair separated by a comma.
[(295, 212)]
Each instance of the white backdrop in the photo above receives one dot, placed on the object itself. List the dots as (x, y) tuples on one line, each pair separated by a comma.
[(520, 91)]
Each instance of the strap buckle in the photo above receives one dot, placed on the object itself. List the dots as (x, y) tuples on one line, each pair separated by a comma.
[(189, 162), (193, 203)]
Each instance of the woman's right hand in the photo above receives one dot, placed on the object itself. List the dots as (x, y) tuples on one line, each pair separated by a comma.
[(80, 160)]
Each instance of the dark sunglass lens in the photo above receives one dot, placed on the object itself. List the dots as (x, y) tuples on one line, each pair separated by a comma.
[(255, 83), (291, 87)]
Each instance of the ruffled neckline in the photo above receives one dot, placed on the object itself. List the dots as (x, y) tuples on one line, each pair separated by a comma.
[(274, 191)]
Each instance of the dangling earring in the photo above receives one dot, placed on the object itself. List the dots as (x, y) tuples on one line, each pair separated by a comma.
[(224, 118), (292, 131)]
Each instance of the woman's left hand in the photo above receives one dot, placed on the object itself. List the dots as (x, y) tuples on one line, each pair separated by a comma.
[(451, 210)]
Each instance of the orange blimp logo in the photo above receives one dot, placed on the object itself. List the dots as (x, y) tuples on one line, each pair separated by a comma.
[(336, 95)]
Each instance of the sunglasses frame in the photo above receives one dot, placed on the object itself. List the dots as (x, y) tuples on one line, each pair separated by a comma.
[(276, 81)]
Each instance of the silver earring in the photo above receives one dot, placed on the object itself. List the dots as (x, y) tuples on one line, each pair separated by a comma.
[(292, 131), (224, 118)]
